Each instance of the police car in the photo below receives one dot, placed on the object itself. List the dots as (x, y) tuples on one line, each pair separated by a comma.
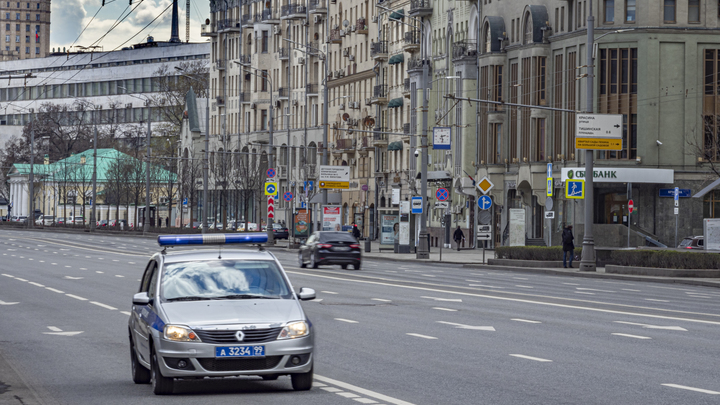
[(218, 313)]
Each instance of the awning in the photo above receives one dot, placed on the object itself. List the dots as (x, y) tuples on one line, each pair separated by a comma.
[(397, 15), (396, 102), (395, 145), (395, 59)]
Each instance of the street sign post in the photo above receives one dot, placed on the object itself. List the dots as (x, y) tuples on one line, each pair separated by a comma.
[(442, 204), (677, 210), (270, 172), (270, 188), (271, 208), (575, 189), (485, 202), (288, 196), (485, 185), (598, 131), (334, 177), (549, 214), (417, 205), (442, 194), (549, 189), (631, 206)]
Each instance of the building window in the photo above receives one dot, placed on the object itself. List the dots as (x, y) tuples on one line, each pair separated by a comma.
[(630, 10), (618, 95), (17, 16), (17, 38), (496, 147), (669, 11), (540, 63), (263, 80), (528, 29), (540, 139), (609, 11), (27, 49), (263, 120), (711, 204), (265, 42), (694, 11), (571, 104), (37, 17), (488, 39), (512, 152), (557, 103)]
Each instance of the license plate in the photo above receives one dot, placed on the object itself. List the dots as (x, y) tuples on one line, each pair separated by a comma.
[(340, 249), (240, 351)]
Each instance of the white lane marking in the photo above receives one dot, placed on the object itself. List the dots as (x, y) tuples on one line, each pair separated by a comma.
[(469, 327), (331, 389), (99, 272), (474, 281), (83, 268), (570, 284), (329, 292), (57, 331), (654, 300), (523, 286), (8, 303), (55, 290), (492, 286), (646, 326), (87, 257), (670, 288), (315, 300), (524, 320), (42, 261), (115, 260), (73, 278), (319, 384), (684, 387), (381, 300), (445, 309), (529, 301), (54, 264), (593, 289), (76, 297), (582, 292), (7, 275), (420, 336), (346, 320), (100, 304), (20, 279), (365, 400), (125, 312), (631, 336), (54, 329), (118, 275), (522, 356), (443, 299), (31, 259), (630, 289), (36, 284), (520, 278), (362, 391), (348, 394), (67, 266), (428, 275), (131, 262)]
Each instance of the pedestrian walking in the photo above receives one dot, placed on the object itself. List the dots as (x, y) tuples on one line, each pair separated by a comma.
[(568, 245), (356, 231), (459, 236)]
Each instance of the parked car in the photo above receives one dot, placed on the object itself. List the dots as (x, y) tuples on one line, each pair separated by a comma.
[(195, 225), (22, 219), (3, 218), (330, 247), (78, 221), (101, 223), (280, 232), (45, 220), (60, 220), (692, 242)]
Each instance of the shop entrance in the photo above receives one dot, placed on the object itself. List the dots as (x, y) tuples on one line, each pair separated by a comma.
[(612, 207)]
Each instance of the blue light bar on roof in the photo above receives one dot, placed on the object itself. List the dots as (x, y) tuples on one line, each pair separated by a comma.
[(213, 239)]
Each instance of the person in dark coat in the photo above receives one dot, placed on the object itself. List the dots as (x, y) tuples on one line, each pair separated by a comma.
[(568, 245), (356, 231), (458, 236)]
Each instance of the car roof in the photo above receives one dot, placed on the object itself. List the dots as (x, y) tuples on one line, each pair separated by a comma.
[(211, 254)]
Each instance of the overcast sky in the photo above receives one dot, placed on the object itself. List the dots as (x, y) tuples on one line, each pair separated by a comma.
[(69, 17)]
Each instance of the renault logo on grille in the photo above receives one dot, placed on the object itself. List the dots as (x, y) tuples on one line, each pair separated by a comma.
[(239, 336)]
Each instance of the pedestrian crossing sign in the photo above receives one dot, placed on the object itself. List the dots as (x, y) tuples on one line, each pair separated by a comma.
[(575, 189)]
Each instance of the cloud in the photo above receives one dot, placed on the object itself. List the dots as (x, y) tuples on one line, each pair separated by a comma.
[(70, 13)]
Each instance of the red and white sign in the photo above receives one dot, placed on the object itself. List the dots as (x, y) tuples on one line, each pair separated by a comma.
[(271, 208), (331, 219), (630, 206)]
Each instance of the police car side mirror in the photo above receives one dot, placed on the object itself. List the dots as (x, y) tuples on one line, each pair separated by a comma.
[(306, 294), (142, 299)]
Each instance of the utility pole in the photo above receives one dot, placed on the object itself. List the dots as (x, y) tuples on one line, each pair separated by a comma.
[(31, 215), (587, 262), (146, 220), (423, 250), (325, 111), (93, 214)]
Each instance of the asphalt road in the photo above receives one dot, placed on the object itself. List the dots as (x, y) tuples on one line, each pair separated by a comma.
[(391, 333)]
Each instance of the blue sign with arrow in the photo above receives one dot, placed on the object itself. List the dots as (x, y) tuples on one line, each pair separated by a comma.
[(485, 202)]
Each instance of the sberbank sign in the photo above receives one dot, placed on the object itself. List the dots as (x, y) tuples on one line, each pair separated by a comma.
[(621, 175)]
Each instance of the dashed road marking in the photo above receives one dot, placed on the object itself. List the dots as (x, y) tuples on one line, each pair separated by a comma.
[(630, 289), (346, 320), (126, 313), (421, 336), (631, 336), (36, 284), (524, 320), (329, 292), (100, 304), (381, 300), (445, 309), (21, 279), (76, 297), (55, 290), (522, 356), (654, 300), (523, 286), (684, 387)]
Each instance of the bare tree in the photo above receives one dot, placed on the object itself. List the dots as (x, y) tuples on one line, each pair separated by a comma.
[(172, 89), (248, 178)]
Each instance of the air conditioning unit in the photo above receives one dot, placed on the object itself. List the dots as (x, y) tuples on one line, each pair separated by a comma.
[(276, 29), (352, 28), (317, 19), (342, 73), (342, 106), (346, 52), (301, 61), (342, 33), (357, 105), (295, 102), (352, 58), (374, 19), (253, 106)]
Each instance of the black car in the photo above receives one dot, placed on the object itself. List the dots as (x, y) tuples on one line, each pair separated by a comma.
[(330, 248), (280, 232)]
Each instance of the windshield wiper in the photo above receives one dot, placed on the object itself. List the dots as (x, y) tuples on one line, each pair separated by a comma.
[(189, 298), (246, 296)]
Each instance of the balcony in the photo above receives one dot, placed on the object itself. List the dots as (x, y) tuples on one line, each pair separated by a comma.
[(464, 50), (412, 41), (378, 51), (406, 88), (208, 30), (406, 129), (334, 37), (416, 64), (292, 11), (284, 53), (380, 94), (244, 97), (361, 26), (220, 64), (366, 144), (228, 24), (381, 139), (420, 8), (345, 145), (247, 20), (312, 89), (318, 7), (283, 93), (268, 17), (245, 60)]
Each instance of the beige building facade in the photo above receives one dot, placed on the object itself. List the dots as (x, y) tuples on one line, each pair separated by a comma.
[(25, 29)]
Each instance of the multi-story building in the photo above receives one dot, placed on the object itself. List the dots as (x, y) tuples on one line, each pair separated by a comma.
[(25, 29)]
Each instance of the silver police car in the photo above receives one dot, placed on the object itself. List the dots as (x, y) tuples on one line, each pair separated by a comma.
[(205, 313)]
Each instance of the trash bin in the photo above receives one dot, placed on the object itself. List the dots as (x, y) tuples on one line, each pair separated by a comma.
[(367, 245)]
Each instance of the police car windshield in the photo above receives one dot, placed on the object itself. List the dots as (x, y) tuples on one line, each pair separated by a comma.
[(223, 279)]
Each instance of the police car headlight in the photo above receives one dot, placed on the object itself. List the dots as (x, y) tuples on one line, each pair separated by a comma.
[(294, 330), (180, 334)]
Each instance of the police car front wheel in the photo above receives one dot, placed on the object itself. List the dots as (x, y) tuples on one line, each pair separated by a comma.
[(161, 385), (140, 374), (302, 381)]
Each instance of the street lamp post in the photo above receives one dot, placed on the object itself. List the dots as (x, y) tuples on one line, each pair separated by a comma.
[(94, 186), (206, 165), (31, 215)]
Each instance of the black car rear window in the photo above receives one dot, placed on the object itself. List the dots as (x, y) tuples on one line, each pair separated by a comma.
[(336, 237)]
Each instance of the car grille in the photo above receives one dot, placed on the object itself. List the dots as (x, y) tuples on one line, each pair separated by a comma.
[(228, 336), (240, 364)]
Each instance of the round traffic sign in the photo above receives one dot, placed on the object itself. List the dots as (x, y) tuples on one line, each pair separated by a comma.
[(288, 196), (364, 187), (271, 172), (442, 194), (630, 206), (549, 204), (485, 202), (270, 189)]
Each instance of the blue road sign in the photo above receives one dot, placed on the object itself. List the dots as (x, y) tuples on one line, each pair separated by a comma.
[(185, 201), (303, 205), (677, 193), (288, 196), (271, 172), (442, 194), (575, 189), (417, 205), (270, 188), (485, 202), (670, 192), (549, 169)]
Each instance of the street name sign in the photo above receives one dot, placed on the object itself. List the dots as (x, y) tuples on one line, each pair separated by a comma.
[(598, 131), (334, 177)]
